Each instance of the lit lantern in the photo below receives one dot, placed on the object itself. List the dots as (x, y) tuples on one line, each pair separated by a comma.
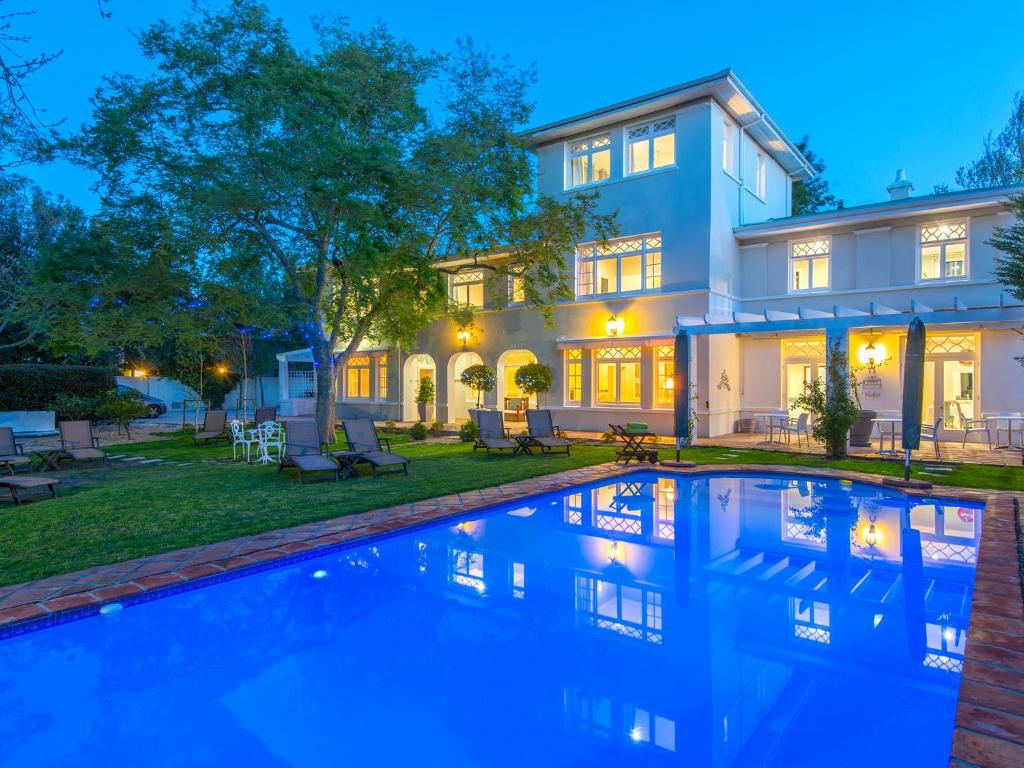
[(614, 326), (872, 354), (615, 552), (462, 335)]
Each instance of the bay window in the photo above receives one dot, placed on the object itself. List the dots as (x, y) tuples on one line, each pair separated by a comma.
[(626, 265), (650, 146), (468, 288), (809, 265), (618, 376), (590, 160), (944, 251)]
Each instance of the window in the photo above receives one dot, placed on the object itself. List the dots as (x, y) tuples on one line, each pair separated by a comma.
[(466, 569), (761, 181), (574, 376), (382, 377), (618, 376), (468, 288), (664, 394), (651, 146), (357, 377), (590, 160), (626, 265), (519, 580), (729, 147), (516, 289), (809, 265), (944, 251), (626, 610)]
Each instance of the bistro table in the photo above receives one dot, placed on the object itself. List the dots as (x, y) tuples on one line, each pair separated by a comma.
[(773, 420), (892, 421), (50, 458), (1007, 419)]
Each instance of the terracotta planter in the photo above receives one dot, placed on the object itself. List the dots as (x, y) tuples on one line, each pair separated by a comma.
[(860, 432)]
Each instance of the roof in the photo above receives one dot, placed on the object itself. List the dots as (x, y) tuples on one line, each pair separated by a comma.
[(724, 87), (943, 202)]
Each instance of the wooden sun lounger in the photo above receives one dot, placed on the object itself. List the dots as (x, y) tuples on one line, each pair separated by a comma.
[(17, 484)]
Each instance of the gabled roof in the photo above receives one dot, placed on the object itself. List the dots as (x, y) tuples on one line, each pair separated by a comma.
[(724, 87)]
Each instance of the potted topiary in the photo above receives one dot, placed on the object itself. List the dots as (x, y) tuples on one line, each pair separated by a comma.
[(480, 378), (533, 379), (425, 399)]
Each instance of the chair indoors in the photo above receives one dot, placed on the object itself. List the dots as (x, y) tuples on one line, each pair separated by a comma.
[(493, 434), (304, 451), (972, 426), (930, 434), (79, 443), (11, 454), (544, 433), (214, 423), (364, 446)]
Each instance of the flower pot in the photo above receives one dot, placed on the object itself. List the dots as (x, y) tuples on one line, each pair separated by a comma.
[(860, 432), (426, 412)]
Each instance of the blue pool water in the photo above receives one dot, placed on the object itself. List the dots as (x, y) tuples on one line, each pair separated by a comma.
[(708, 621)]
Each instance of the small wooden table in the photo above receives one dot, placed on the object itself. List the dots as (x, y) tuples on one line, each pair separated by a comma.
[(15, 484), (639, 446), (50, 458)]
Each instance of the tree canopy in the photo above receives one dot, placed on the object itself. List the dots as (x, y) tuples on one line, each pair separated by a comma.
[(813, 195), (1002, 157)]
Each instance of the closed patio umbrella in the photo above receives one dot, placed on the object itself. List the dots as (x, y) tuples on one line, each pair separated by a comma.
[(913, 390), (681, 390)]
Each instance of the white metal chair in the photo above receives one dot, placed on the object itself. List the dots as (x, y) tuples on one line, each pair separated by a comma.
[(930, 434), (270, 434), (239, 437), (798, 426), (970, 426)]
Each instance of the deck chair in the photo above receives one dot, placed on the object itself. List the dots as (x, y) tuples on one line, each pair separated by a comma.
[(11, 455), (968, 426), (214, 423), (930, 434), (79, 443), (493, 435), (268, 413), (545, 434), (303, 450), (364, 447)]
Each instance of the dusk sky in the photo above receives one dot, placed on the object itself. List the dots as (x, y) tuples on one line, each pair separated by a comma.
[(877, 86)]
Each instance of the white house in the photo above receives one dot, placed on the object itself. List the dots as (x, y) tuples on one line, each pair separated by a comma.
[(702, 179)]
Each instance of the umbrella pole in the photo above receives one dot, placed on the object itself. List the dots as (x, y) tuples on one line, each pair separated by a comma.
[(906, 466), (678, 442)]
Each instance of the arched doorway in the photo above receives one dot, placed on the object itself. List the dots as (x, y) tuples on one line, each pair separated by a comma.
[(460, 398), (508, 363), (416, 367)]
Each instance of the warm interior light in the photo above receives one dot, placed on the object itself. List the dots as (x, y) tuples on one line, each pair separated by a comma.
[(872, 354), (614, 326), (462, 335), (615, 552), (670, 383)]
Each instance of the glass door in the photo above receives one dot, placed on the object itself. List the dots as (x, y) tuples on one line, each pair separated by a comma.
[(957, 392), (798, 378), (928, 400)]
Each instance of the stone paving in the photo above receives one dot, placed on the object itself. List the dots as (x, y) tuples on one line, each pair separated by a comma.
[(989, 728)]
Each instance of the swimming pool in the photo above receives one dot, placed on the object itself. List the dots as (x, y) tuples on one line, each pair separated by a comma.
[(715, 620)]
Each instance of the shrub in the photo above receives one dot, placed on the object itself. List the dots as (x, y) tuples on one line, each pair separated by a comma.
[(121, 408), (608, 437), (437, 429), (36, 387), (469, 432), (390, 426), (534, 378), (479, 378), (73, 407), (418, 431), (426, 392)]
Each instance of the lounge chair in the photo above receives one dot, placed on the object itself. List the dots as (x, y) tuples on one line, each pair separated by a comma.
[(263, 415), (545, 434), (494, 435), (16, 484), (79, 443), (11, 455), (304, 451), (214, 423), (364, 446)]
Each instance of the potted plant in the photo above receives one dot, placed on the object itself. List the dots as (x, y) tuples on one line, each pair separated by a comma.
[(864, 424), (479, 378), (425, 399), (832, 405), (533, 379)]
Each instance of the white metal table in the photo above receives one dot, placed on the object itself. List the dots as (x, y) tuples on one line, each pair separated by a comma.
[(772, 421), (1005, 423), (892, 421)]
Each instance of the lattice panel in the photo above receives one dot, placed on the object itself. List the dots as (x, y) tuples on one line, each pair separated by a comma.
[(951, 553), (358, 361), (630, 245), (821, 246), (462, 278), (944, 663), (640, 132), (666, 352), (630, 525), (941, 232), (803, 348), (598, 142), (575, 354), (814, 634), (664, 126), (937, 345), (619, 353)]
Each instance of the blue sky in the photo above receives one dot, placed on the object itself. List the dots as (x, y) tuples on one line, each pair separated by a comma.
[(913, 85)]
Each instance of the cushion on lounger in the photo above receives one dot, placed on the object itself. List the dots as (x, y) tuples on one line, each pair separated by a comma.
[(636, 426)]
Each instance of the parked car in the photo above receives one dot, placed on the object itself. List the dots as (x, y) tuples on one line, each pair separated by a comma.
[(157, 407)]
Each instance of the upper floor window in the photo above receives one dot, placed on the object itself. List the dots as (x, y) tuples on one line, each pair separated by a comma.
[(809, 265), (357, 377), (468, 288), (626, 265), (729, 147), (590, 160), (761, 179), (516, 289), (944, 251), (652, 145)]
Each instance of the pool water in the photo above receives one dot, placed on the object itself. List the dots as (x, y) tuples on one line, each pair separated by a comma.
[(731, 620)]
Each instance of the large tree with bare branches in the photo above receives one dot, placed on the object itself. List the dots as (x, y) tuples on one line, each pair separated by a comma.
[(354, 168)]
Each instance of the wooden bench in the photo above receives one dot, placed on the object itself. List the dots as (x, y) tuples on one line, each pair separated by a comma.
[(15, 484)]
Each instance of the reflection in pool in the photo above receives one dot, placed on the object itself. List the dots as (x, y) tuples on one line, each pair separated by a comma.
[(732, 620)]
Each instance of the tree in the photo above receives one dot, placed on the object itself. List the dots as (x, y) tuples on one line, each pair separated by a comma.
[(1002, 158), (533, 379), (480, 378), (813, 195), (327, 164), (832, 404), (1010, 240)]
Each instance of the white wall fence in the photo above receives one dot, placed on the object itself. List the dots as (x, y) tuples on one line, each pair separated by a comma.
[(171, 391)]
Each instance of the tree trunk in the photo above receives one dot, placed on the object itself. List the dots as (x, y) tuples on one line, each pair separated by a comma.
[(326, 389)]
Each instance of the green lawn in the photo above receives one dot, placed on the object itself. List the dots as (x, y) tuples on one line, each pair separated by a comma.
[(119, 512)]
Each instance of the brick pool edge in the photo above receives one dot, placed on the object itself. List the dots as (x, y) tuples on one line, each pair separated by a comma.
[(989, 728)]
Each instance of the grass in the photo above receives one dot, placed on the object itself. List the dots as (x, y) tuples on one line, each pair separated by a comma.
[(119, 512)]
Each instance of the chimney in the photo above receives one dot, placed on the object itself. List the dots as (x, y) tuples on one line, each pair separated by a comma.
[(900, 188)]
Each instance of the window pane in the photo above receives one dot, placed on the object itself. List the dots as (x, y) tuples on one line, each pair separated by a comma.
[(580, 170), (606, 390), (639, 152), (664, 394), (653, 270), (955, 259), (476, 294), (819, 273), (930, 258), (602, 165), (585, 284), (364, 383), (517, 294), (630, 382), (632, 268), (801, 274), (607, 279), (575, 376), (664, 150)]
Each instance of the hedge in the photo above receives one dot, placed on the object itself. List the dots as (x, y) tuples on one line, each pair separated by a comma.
[(35, 387)]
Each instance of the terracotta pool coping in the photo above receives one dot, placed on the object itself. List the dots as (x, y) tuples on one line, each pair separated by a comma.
[(989, 728)]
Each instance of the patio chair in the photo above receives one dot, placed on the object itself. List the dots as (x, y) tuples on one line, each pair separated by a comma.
[(11, 454), (493, 434), (930, 434), (268, 413), (214, 423), (304, 451), (544, 433), (240, 436), (798, 426), (970, 426), (364, 446), (79, 443), (634, 445)]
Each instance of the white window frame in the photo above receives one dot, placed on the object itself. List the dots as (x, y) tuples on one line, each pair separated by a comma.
[(810, 266), (942, 278), (665, 125), (730, 132), (660, 356), (368, 368), (636, 359), (588, 255), (589, 153), (569, 363), (455, 287), (761, 175)]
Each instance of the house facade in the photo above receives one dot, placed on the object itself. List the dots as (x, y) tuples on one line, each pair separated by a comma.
[(701, 180)]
